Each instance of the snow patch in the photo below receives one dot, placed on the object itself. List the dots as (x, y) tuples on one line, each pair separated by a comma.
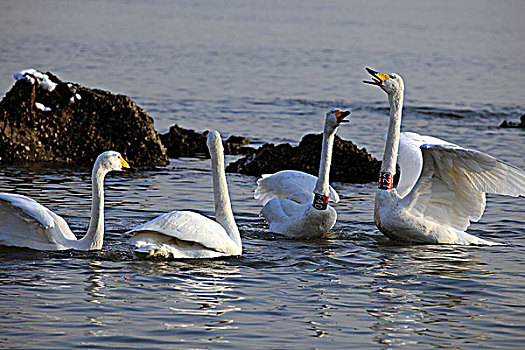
[(43, 108), (31, 75)]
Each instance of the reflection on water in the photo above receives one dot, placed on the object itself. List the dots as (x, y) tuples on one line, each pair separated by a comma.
[(431, 293), (438, 261), (183, 297)]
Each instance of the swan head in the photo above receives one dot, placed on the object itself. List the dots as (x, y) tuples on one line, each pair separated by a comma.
[(336, 117), (112, 161), (214, 141), (389, 82)]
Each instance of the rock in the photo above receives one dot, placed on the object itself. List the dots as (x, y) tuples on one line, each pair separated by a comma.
[(236, 145), (44, 119), (349, 164), (520, 124), (182, 142)]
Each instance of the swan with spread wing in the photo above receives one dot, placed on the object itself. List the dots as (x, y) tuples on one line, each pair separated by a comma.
[(442, 186), (26, 223), (296, 203)]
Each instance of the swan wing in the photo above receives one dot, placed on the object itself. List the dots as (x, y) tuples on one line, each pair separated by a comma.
[(410, 158), (27, 208), (453, 182), (291, 184), (191, 230), (285, 216), (26, 223), (282, 210), (410, 161), (298, 220)]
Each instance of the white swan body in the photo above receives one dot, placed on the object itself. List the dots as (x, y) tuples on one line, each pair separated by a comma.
[(186, 234), (296, 203), (291, 184), (26, 223), (442, 185)]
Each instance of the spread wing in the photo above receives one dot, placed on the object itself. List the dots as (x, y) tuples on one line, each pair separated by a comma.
[(453, 182), (27, 209), (26, 223), (186, 229), (291, 184), (410, 159)]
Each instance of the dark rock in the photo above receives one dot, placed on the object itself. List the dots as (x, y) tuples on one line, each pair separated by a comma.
[(78, 124), (238, 140), (235, 145), (182, 142), (349, 164), (520, 124)]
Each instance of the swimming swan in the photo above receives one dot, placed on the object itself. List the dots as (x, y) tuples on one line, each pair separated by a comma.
[(442, 185), (25, 223), (186, 234), (296, 203)]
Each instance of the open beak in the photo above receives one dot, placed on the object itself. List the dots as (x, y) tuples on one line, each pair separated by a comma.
[(341, 115), (378, 78)]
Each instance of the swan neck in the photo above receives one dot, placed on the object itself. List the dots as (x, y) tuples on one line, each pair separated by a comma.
[(94, 237), (392, 139), (322, 186), (223, 209)]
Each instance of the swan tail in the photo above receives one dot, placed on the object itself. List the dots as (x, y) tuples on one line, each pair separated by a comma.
[(152, 250), (468, 239)]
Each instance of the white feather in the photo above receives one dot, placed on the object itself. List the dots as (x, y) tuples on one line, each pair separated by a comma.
[(442, 185), (185, 234), (26, 223), (288, 195), (292, 184)]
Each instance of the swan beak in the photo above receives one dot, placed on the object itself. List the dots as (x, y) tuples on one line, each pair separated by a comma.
[(378, 78), (341, 115), (125, 165)]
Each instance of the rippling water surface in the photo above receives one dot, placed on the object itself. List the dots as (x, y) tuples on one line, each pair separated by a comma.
[(269, 71)]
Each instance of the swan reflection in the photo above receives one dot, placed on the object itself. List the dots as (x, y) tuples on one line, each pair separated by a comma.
[(432, 292), (190, 298)]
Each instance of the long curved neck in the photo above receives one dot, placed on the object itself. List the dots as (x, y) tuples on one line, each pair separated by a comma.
[(322, 186), (392, 139), (94, 237), (223, 209)]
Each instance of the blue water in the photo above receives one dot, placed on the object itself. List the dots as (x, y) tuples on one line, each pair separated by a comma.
[(270, 71)]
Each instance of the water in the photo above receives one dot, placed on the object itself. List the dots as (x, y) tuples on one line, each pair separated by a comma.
[(269, 71)]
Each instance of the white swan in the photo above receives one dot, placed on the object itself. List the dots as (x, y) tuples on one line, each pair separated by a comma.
[(185, 234), (25, 223), (442, 185), (296, 203)]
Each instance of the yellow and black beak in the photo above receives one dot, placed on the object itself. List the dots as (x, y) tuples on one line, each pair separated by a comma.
[(378, 78), (341, 115), (125, 165)]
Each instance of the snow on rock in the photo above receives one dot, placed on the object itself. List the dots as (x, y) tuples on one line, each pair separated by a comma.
[(42, 107), (31, 75), (39, 123)]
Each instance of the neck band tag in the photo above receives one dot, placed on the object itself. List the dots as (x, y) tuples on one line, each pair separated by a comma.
[(320, 201), (386, 181)]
